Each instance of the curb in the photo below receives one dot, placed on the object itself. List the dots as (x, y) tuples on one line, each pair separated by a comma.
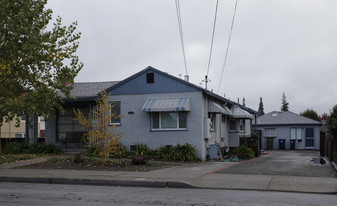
[(122, 183)]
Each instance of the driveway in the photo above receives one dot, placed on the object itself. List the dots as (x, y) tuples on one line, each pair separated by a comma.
[(283, 163)]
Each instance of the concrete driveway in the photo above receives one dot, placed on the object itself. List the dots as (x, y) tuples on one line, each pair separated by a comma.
[(283, 163)]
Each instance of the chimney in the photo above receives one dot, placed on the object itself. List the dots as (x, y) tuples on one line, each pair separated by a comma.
[(244, 102), (187, 78), (238, 100)]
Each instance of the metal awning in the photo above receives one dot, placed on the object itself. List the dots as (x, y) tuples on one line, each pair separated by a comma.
[(239, 113), (215, 108), (166, 105)]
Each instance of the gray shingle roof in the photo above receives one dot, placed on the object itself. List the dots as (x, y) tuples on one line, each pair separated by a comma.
[(285, 118), (89, 89)]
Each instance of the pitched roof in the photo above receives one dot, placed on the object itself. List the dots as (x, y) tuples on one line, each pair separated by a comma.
[(89, 89), (207, 92), (285, 118)]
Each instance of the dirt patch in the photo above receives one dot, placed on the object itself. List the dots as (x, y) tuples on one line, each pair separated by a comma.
[(113, 165)]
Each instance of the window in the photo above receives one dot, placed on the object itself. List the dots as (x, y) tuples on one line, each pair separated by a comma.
[(296, 133), (232, 125), (309, 137), (223, 118), (270, 132), (242, 125), (150, 78), (116, 110), (169, 120), (211, 116)]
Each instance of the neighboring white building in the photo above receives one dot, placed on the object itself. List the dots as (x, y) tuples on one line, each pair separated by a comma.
[(157, 109)]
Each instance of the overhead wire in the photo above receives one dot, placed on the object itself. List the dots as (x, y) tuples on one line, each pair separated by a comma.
[(211, 48), (228, 43), (181, 32)]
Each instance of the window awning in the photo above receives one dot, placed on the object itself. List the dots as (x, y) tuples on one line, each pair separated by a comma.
[(215, 108), (239, 113), (166, 105)]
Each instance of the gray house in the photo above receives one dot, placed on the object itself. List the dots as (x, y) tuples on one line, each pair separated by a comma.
[(157, 109), (287, 130)]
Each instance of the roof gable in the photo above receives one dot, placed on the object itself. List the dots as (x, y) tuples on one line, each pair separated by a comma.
[(162, 83), (285, 118)]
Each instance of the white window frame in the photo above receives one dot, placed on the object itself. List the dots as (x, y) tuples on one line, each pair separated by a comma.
[(212, 124), (270, 132), (160, 122), (120, 110), (296, 133)]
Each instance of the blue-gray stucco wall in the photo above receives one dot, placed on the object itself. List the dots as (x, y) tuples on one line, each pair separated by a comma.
[(161, 84), (283, 132), (136, 124)]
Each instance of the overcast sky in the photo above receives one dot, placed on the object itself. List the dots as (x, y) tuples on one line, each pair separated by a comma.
[(276, 46)]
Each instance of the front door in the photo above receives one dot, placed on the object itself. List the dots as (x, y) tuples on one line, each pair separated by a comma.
[(309, 138)]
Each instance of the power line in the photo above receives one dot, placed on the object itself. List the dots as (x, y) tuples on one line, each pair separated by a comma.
[(181, 32), (229, 40), (211, 49)]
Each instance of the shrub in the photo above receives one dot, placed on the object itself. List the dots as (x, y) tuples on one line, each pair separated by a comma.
[(142, 149), (139, 160), (15, 148), (38, 148), (184, 153), (243, 152), (165, 152), (119, 150)]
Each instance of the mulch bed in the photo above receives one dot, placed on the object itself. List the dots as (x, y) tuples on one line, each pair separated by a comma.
[(109, 166)]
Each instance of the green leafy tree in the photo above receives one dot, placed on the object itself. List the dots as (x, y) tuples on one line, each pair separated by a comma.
[(285, 104), (311, 114), (260, 111), (331, 123), (101, 135), (36, 64)]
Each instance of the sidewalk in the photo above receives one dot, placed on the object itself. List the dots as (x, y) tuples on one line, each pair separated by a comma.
[(191, 175)]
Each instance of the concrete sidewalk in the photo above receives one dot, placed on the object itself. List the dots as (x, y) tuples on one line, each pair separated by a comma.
[(192, 175)]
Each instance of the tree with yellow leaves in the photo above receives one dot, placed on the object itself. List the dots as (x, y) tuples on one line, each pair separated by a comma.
[(102, 134)]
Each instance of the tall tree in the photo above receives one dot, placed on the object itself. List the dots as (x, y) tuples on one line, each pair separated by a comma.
[(311, 114), (35, 63), (285, 104), (260, 111), (332, 123)]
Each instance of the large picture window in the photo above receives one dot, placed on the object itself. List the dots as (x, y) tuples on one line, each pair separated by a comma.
[(169, 120)]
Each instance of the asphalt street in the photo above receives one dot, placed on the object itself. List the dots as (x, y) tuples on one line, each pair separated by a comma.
[(283, 163), (46, 194)]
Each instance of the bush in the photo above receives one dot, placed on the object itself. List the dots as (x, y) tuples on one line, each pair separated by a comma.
[(165, 152), (119, 151), (142, 149), (184, 153), (38, 148), (243, 152), (15, 148), (139, 160)]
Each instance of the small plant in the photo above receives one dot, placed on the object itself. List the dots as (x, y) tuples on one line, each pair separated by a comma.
[(142, 149), (79, 158), (243, 152)]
